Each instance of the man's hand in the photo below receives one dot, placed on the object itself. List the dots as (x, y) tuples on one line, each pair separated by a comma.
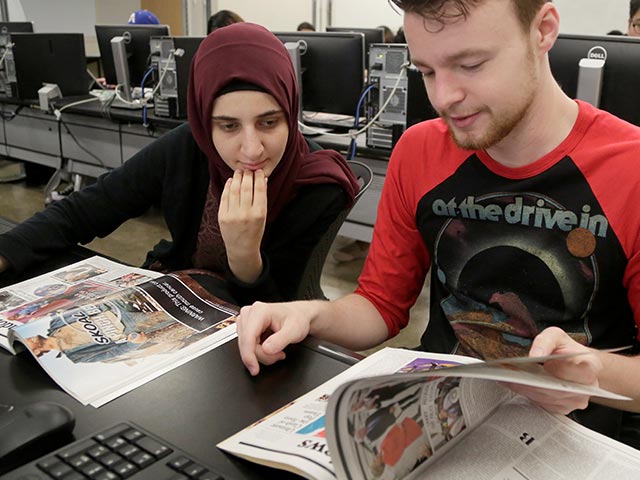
[(264, 330), (584, 369), (242, 216)]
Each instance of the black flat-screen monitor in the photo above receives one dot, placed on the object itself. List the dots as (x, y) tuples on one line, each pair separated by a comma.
[(50, 58), (332, 69), (137, 47), (620, 93), (371, 35), (13, 27)]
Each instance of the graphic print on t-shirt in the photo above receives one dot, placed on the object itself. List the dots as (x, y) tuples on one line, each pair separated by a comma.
[(512, 257)]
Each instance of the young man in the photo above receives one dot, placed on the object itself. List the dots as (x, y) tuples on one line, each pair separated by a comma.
[(634, 18), (509, 199)]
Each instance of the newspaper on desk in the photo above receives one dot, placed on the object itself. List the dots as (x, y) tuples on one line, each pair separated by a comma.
[(370, 422), (100, 328)]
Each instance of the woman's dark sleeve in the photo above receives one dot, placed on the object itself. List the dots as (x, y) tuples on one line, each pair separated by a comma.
[(95, 211), (290, 242)]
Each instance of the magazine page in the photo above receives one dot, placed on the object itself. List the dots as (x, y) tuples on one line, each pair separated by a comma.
[(64, 288), (522, 441), (425, 414), (106, 347), (294, 437), (386, 427)]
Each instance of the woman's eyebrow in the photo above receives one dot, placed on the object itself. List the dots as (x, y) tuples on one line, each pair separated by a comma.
[(270, 112), (261, 115)]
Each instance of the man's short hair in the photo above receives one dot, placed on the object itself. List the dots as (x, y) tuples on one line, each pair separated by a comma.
[(634, 6), (526, 10)]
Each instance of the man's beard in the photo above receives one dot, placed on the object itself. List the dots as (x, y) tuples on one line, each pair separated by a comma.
[(503, 122)]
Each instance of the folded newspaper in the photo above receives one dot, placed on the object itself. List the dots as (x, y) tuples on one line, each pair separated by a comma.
[(406, 414), (100, 328)]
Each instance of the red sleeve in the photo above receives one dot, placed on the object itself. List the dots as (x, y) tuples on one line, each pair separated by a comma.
[(398, 261), (619, 143)]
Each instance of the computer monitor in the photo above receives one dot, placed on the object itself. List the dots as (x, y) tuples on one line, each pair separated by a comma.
[(620, 75), (137, 48), (332, 69), (13, 27), (371, 35), (50, 58)]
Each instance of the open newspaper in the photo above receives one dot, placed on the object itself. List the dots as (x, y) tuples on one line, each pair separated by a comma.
[(100, 328), (407, 414)]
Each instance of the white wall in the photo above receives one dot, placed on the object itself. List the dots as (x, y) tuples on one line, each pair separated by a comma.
[(577, 16), (114, 11), (592, 17), (15, 11), (273, 14), (68, 16), (595, 17), (365, 13)]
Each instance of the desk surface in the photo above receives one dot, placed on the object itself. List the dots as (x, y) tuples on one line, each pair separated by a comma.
[(194, 406)]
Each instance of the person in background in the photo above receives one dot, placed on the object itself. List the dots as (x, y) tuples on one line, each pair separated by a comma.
[(615, 32), (399, 37), (143, 17), (209, 177), (388, 34), (306, 27), (222, 18), (517, 200), (634, 18)]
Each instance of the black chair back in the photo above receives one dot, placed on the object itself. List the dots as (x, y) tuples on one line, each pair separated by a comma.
[(310, 288)]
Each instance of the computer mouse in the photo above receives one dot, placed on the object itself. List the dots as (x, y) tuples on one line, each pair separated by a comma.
[(24, 425)]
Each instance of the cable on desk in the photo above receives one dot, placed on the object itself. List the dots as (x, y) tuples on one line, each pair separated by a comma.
[(354, 133), (6, 50), (106, 108), (82, 147), (11, 115), (144, 107), (144, 100), (354, 141), (58, 111)]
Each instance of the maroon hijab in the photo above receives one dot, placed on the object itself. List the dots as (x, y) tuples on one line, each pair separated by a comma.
[(249, 53)]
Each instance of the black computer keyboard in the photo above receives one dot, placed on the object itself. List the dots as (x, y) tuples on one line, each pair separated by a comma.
[(124, 451)]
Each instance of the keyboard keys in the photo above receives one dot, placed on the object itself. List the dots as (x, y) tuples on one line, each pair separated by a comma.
[(124, 451), (155, 448)]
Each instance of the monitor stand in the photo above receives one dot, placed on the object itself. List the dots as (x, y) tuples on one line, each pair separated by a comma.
[(119, 52)]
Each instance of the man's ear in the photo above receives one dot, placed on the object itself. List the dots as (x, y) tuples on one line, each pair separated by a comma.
[(545, 27)]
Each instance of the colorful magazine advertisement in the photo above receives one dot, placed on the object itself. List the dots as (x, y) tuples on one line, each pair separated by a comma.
[(405, 414), (100, 329)]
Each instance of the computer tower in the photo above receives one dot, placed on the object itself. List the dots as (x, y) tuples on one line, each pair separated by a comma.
[(8, 81), (409, 103), (170, 99)]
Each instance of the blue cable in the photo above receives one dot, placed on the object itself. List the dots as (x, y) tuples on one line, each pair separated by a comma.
[(356, 122), (144, 108)]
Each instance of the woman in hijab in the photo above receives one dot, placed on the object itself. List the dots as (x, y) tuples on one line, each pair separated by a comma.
[(240, 192)]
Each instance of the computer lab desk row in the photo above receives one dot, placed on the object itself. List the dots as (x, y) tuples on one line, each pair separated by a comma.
[(90, 141), (194, 406)]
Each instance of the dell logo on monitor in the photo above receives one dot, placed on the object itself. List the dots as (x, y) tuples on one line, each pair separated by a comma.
[(303, 46), (597, 53)]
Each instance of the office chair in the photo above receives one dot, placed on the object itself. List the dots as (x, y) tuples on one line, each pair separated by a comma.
[(310, 288)]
